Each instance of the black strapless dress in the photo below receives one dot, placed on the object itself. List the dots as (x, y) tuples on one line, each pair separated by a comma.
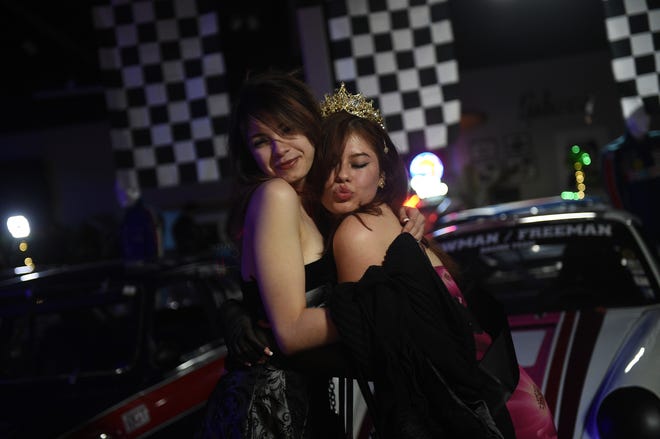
[(271, 400)]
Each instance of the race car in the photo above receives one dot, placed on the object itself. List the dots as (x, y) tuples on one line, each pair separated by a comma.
[(581, 285), (111, 349)]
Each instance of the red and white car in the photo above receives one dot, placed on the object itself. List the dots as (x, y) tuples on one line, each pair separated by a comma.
[(581, 285), (110, 350)]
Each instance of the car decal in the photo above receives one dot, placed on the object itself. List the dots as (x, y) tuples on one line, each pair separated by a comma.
[(555, 350), (533, 336), (135, 418), (584, 338), (155, 407), (555, 369)]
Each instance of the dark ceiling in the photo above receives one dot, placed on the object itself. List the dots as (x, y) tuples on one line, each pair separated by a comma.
[(50, 76)]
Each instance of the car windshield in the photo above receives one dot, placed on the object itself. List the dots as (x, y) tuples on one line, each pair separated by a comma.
[(68, 328), (560, 265)]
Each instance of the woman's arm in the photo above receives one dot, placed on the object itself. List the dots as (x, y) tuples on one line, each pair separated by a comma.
[(274, 257)]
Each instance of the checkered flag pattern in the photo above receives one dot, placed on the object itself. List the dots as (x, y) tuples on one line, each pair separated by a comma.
[(633, 30), (400, 54), (166, 90)]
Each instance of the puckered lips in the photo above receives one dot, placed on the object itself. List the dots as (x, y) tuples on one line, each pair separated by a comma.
[(342, 193)]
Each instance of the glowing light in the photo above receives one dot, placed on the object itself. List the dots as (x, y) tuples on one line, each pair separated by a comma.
[(412, 201), (18, 226), (23, 246), (30, 276), (580, 159), (28, 261), (445, 230), (426, 171), (634, 360), (24, 269), (427, 163)]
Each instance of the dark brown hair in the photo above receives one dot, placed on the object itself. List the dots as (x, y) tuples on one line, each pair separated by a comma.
[(277, 100), (336, 129)]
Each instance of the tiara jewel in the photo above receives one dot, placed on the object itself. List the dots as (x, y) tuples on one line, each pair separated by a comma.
[(355, 104)]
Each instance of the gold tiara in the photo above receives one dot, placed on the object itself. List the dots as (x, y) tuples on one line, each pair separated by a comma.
[(356, 104)]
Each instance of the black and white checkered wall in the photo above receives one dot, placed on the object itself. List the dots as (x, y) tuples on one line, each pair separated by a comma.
[(166, 90), (400, 54), (633, 30)]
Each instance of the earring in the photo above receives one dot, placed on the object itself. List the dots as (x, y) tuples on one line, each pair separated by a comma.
[(381, 183)]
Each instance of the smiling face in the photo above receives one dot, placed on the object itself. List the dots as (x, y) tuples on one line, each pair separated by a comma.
[(354, 182), (280, 153)]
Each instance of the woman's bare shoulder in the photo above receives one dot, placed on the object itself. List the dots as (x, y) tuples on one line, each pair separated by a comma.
[(354, 227), (276, 187), (361, 241), (367, 225), (272, 193), (362, 231)]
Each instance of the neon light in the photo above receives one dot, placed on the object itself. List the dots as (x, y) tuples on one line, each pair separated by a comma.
[(426, 171)]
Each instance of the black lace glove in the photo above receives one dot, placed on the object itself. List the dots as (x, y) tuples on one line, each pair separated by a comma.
[(247, 343)]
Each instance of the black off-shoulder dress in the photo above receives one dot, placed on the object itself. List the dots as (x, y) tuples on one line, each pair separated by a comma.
[(273, 400)]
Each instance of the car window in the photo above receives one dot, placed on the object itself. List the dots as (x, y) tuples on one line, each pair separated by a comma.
[(558, 265), (186, 320), (68, 329), (95, 323)]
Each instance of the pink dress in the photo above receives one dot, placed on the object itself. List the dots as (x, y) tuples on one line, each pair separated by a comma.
[(529, 411)]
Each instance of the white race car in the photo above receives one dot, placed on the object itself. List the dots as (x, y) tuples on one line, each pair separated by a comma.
[(581, 285)]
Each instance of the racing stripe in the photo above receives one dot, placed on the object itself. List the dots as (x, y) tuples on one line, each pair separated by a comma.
[(557, 365), (587, 330), (152, 409)]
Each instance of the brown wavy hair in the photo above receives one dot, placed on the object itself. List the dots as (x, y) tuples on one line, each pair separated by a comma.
[(275, 99), (336, 129)]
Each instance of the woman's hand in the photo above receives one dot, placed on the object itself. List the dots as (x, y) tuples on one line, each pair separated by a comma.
[(246, 342), (413, 221)]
